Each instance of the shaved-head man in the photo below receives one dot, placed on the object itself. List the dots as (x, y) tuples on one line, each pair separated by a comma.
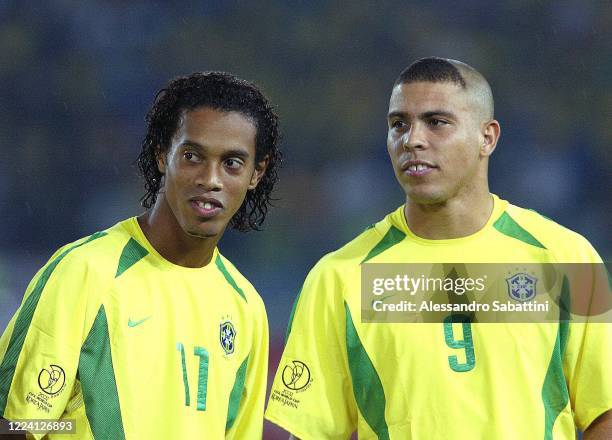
[(458, 377)]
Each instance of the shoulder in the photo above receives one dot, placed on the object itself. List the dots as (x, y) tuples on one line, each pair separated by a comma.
[(100, 251), (78, 274), (94, 256), (373, 240), (325, 288), (340, 268), (563, 243)]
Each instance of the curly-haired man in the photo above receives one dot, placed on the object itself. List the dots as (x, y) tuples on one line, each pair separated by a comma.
[(145, 330)]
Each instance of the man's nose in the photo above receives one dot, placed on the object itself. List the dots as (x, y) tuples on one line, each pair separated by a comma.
[(210, 177), (414, 137)]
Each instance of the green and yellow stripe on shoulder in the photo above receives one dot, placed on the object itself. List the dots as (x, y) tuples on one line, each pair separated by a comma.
[(24, 319)]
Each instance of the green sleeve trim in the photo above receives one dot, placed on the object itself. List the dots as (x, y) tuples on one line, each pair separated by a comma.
[(391, 238), (555, 394), (132, 253), (236, 394), (228, 277), (295, 303), (367, 387), (508, 226), (97, 377), (22, 324)]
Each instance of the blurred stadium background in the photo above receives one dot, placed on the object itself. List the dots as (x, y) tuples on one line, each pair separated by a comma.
[(77, 77)]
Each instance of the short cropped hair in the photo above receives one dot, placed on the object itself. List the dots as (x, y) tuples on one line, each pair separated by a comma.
[(431, 69), (219, 91), (437, 70)]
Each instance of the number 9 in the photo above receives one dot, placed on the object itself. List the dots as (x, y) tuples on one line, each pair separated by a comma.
[(466, 343)]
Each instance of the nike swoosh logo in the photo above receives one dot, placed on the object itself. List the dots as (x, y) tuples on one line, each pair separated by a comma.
[(383, 298), (135, 323)]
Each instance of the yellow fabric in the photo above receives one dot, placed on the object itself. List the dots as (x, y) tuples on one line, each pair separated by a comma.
[(166, 305), (500, 398)]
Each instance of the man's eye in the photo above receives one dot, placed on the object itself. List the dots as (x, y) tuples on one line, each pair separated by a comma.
[(397, 124), (190, 156), (437, 122), (233, 163)]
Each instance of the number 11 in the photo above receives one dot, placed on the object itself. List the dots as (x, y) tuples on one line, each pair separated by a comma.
[(202, 353)]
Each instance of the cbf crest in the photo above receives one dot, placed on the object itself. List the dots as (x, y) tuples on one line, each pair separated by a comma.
[(227, 336), (522, 287)]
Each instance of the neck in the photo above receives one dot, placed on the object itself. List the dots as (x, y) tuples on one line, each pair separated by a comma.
[(169, 239), (452, 218)]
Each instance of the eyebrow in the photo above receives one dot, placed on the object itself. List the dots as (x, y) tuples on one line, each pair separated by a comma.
[(237, 152), (425, 115), (443, 113)]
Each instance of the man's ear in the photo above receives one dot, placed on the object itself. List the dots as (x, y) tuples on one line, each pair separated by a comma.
[(490, 134), (160, 157), (258, 172)]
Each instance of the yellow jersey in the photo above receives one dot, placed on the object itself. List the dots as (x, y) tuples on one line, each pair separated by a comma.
[(128, 345), (444, 380)]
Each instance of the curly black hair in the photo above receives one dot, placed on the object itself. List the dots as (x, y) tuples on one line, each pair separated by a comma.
[(219, 91)]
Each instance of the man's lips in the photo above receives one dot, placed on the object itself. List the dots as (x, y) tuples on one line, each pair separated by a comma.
[(417, 168), (206, 206)]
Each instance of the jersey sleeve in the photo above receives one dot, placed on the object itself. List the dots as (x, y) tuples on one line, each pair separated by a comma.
[(588, 361), (311, 396), (246, 407), (588, 357), (39, 350)]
